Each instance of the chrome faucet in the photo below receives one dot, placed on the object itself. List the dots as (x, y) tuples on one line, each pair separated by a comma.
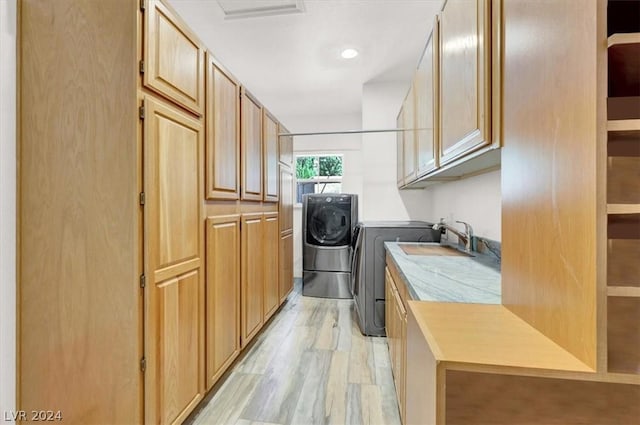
[(465, 237)]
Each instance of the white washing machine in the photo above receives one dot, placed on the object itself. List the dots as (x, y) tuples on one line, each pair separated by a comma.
[(328, 222)]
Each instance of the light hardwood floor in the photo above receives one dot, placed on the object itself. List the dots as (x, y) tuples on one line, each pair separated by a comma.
[(310, 366)]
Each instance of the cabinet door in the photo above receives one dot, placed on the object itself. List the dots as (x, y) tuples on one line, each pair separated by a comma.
[(390, 322), (409, 145), (222, 294), (286, 266), (465, 78), (270, 157), (286, 199), (402, 355), (251, 147), (252, 275), (286, 147), (173, 57), (174, 324), (426, 89), (399, 147), (179, 386), (397, 351), (223, 133), (271, 265)]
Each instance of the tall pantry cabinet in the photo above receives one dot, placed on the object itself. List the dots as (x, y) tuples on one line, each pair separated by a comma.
[(132, 210), (285, 209)]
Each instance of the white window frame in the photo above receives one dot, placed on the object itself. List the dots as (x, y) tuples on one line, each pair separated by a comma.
[(317, 179)]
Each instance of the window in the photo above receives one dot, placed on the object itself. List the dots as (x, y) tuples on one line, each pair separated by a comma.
[(318, 174)]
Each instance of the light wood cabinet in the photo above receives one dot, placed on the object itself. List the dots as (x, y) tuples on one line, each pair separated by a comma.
[(222, 133), (173, 146), (465, 77), (623, 189), (567, 333), (112, 214), (271, 264), (222, 294), (409, 142), (426, 94), (270, 157), (251, 148), (285, 147), (457, 89), (400, 148), (173, 57), (286, 199), (252, 275), (285, 208), (179, 385), (285, 277), (79, 305), (396, 325)]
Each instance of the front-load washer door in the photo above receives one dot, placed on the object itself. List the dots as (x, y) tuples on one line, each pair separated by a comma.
[(329, 224)]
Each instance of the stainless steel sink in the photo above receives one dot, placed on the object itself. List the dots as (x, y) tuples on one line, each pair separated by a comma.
[(432, 250)]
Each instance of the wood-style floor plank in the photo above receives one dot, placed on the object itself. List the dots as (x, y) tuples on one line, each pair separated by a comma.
[(311, 365)]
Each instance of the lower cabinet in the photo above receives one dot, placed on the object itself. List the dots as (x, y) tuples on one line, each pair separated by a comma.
[(252, 275), (222, 294), (396, 327), (285, 257), (178, 356), (244, 287), (271, 266)]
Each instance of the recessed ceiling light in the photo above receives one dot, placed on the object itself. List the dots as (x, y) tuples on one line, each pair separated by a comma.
[(349, 53)]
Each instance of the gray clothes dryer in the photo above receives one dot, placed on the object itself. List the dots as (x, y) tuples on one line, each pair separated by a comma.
[(367, 275), (328, 222)]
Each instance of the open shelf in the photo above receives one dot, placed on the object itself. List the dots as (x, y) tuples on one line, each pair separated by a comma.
[(623, 334), (623, 291), (623, 38), (624, 70), (623, 143), (623, 16), (623, 180), (623, 125), (623, 226), (623, 108), (623, 208), (623, 267)]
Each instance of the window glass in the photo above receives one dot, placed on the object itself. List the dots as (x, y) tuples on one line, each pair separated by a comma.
[(318, 174)]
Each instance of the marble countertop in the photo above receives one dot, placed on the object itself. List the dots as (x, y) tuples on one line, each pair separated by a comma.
[(448, 278)]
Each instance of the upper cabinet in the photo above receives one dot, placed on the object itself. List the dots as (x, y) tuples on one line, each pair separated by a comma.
[(285, 146), (285, 207), (173, 63), (251, 147), (270, 157), (222, 133), (447, 131), (409, 145), (426, 95), (465, 77), (400, 148)]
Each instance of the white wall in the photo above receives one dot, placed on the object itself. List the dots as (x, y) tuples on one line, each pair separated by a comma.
[(347, 145), (381, 198), (7, 204), (476, 200)]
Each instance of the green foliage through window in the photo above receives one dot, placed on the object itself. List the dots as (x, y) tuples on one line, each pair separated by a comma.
[(330, 165), (318, 174), (305, 167), (308, 167)]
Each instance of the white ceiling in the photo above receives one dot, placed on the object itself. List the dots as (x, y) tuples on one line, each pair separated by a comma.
[(292, 62)]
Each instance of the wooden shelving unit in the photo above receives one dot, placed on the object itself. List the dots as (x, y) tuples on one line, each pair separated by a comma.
[(625, 38), (623, 188)]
